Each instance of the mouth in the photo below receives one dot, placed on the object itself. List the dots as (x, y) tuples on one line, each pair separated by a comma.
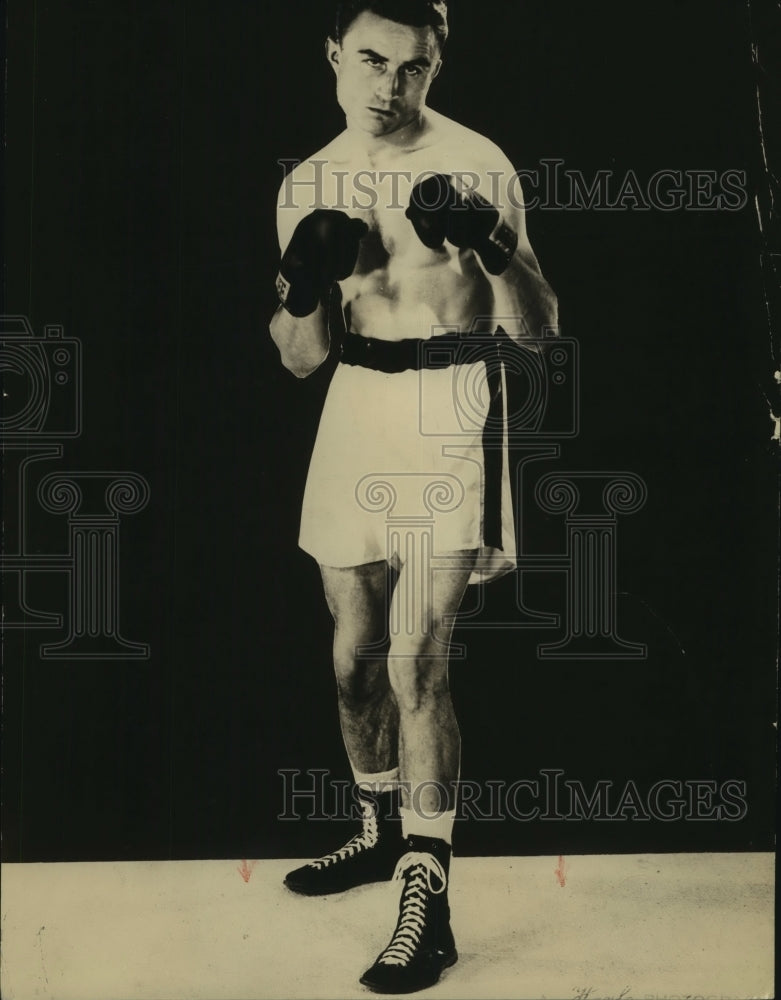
[(382, 112)]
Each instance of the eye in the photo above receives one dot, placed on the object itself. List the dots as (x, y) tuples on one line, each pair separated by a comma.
[(413, 71), (372, 62)]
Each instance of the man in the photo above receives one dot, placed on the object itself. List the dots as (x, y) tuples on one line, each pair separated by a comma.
[(409, 220)]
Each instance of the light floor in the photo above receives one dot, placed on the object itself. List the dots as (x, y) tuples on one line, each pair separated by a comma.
[(630, 926)]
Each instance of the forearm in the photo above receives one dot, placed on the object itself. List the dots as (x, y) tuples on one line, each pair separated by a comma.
[(303, 341), (524, 302)]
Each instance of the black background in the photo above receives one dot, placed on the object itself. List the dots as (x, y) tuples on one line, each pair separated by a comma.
[(143, 141)]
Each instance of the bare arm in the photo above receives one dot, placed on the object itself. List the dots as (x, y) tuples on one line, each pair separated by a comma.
[(524, 303), (303, 341)]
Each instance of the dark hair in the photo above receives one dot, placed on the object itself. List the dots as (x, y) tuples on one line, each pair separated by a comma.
[(418, 13)]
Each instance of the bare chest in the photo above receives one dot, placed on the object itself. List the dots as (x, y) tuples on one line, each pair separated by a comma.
[(379, 194)]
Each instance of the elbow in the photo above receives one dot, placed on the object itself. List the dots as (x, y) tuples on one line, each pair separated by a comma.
[(544, 322), (547, 312), (552, 308), (300, 352), (300, 369), (296, 363)]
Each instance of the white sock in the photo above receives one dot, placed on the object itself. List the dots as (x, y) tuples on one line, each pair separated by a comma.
[(438, 826), (384, 781)]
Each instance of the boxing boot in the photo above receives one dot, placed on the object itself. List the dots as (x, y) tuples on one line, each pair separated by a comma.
[(370, 856), (422, 945)]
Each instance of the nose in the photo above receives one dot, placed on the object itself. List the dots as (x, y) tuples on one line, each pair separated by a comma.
[(388, 87)]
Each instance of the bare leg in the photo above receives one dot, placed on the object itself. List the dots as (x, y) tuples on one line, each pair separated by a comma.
[(430, 742), (359, 598), (422, 944)]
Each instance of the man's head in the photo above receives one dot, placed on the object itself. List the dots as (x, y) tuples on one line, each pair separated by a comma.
[(385, 54), (417, 13)]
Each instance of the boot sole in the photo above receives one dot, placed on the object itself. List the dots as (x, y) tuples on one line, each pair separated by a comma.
[(448, 962), (302, 891)]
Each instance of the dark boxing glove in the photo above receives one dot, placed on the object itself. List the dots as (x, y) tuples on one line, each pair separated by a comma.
[(322, 250), (442, 208)]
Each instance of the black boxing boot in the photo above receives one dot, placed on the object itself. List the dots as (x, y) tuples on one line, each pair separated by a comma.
[(422, 946), (370, 856)]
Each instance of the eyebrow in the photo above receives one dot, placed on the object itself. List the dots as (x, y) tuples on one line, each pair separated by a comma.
[(422, 61)]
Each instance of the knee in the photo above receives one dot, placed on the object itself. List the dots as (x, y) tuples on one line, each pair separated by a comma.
[(417, 678), (357, 638), (359, 680)]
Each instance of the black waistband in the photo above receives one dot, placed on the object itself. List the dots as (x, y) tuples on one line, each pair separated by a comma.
[(413, 354)]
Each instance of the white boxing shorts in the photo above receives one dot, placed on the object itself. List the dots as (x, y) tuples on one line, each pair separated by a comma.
[(400, 464)]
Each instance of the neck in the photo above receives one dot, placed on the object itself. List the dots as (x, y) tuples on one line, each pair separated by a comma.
[(401, 138)]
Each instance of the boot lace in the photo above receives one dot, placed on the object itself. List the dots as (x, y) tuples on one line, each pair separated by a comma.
[(362, 841), (412, 917)]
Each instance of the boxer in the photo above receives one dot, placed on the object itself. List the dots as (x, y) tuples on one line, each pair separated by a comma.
[(415, 222)]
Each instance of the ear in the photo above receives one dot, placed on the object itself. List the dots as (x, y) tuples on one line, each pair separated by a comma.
[(333, 52), (437, 68)]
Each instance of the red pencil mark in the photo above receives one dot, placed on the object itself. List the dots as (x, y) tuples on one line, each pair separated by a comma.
[(245, 869), (560, 873)]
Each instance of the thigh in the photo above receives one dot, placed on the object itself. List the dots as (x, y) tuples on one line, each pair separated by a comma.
[(426, 600)]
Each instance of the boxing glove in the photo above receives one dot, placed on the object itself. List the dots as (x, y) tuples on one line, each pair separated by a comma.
[(443, 208), (323, 249)]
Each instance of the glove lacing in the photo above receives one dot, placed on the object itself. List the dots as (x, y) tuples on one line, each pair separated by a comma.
[(412, 918), (362, 841)]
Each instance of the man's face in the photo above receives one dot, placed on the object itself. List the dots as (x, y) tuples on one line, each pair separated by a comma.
[(383, 72)]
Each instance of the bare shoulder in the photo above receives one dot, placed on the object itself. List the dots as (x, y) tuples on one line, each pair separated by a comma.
[(304, 187), (474, 150), (311, 169)]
